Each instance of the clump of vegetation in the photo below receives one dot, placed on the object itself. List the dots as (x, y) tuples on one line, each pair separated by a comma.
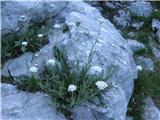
[(68, 84), (147, 84), (31, 38)]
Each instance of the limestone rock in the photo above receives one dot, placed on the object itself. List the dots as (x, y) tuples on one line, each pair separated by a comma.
[(111, 50), (151, 112), (20, 105), (141, 8)]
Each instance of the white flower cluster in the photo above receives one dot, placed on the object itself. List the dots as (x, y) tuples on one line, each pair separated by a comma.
[(40, 35), (72, 88), (101, 85), (24, 43), (51, 62), (139, 68), (57, 26), (33, 69), (96, 69)]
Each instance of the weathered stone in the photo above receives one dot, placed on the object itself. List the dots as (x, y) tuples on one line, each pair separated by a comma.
[(111, 50), (156, 52), (123, 19), (20, 105), (141, 8), (110, 5), (151, 112), (36, 11), (137, 25), (135, 45), (156, 28), (129, 118), (14, 65), (146, 63), (131, 34), (155, 24)]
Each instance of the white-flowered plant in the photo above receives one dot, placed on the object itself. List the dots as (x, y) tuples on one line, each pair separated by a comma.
[(101, 85), (71, 24), (24, 43), (33, 69), (72, 88), (139, 68), (40, 35), (96, 69), (71, 82), (51, 62), (57, 26)]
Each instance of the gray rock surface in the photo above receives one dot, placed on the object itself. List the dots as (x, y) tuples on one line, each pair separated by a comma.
[(135, 45), (137, 25), (123, 19), (20, 105), (151, 112), (156, 52), (131, 34), (110, 5), (129, 118), (141, 8), (156, 28), (14, 11), (155, 24), (146, 63), (111, 50)]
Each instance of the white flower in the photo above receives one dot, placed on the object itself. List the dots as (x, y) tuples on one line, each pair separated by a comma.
[(72, 88), (155, 10), (33, 69), (101, 85), (57, 26), (51, 62), (36, 54), (139, 67), (40, 35), (71, 24), (96, 69), (52, 5), (24, 43), (100, 20)]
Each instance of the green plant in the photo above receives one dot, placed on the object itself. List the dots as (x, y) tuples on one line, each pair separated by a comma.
[(30, 84), (147, 84), (16, 43), (58, 78), (67, 84)]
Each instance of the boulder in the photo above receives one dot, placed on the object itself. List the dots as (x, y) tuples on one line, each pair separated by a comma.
[(15, 13), (122, 19), (155, 24), (110, 5), (111, 51), (156, 28), (19, 105), (151, 112), (137, 25), (156, 51), (145, 63), (141, 8), (135, 45)]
